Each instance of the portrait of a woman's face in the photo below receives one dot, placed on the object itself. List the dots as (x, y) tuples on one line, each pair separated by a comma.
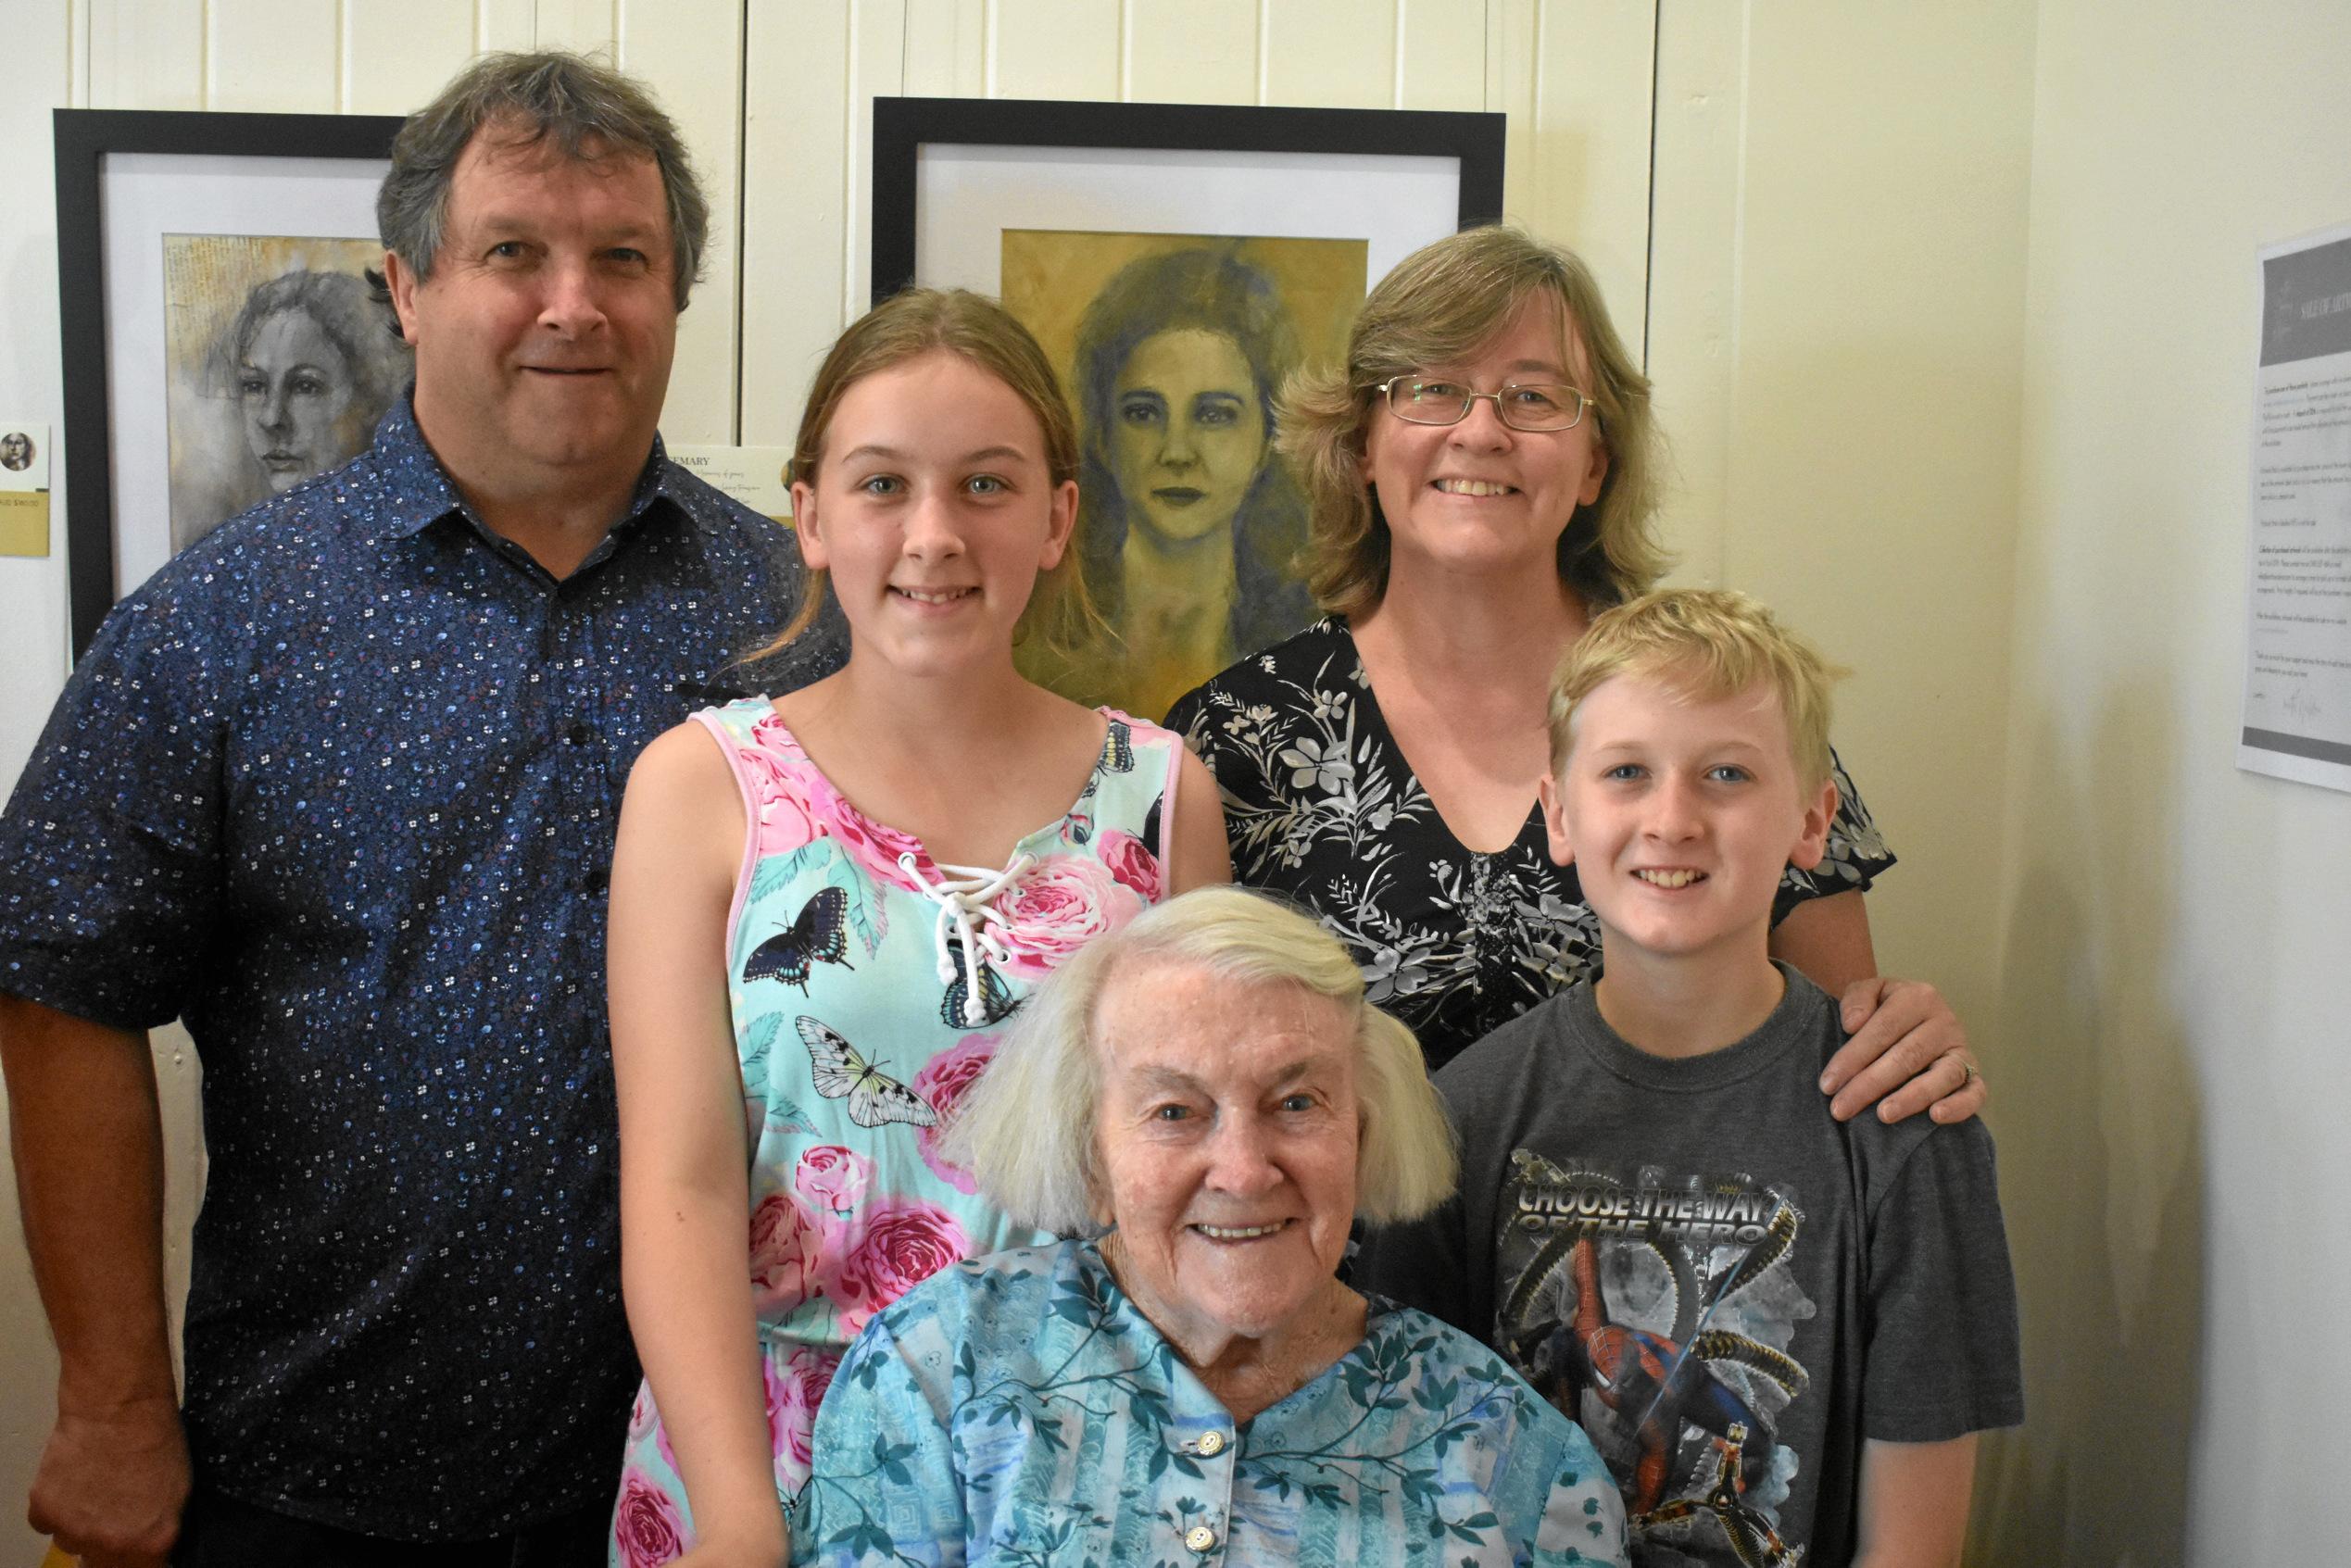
[(282, 362), (297, 389), (1190, 433), (16, 451), (1191, 529)]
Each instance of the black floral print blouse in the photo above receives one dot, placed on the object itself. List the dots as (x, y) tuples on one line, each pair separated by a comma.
[(1321, 805)]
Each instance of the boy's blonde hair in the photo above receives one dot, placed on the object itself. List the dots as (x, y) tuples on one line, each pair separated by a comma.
[(1706, 644)]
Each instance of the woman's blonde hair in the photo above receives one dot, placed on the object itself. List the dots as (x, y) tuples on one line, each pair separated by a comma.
[(1443, 305), (906, 326), (1028, 1131)]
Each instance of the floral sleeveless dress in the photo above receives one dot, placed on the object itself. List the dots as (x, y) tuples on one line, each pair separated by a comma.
[(869, 985)]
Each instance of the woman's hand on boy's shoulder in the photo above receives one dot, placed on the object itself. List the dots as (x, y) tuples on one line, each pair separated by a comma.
[(1907, 1053)]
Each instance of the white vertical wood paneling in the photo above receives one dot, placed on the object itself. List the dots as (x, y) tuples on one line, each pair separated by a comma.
[(1510, 88), (503, 24), (1053, 49), (586, 26), (146, 57), (1338, 53), (1694, 276), (807, 166), (1576, 79), (77, 47), (796, 151), (877, 69), (946, 49), (275, 56), (1190, 51), (1442, 54), (690, 53), (397, 54)]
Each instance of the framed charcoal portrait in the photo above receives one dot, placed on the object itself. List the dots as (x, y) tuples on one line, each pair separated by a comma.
[(1177, 262), (221, 342)]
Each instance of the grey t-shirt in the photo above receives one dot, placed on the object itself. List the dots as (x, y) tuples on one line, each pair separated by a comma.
[(1729, 1289)]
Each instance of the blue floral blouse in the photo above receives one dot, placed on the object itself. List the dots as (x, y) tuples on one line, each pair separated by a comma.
[(1020, 1408)]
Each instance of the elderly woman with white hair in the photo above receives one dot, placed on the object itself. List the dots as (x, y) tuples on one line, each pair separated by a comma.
[(1206, 1095)]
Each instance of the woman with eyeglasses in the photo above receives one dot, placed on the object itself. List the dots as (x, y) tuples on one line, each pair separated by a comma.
[(1482, 478)]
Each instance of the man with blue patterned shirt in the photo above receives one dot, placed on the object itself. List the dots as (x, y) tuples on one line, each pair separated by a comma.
[(337, 787)]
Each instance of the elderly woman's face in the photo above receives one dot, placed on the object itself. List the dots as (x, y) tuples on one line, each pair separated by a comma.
[(297, 387), (1228, 1128), (1187, 435)]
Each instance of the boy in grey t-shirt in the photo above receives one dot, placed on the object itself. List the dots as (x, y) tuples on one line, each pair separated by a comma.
[(1781, 1331)]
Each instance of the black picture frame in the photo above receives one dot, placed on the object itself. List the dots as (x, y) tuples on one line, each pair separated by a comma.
[(1236, 242), (86, 140), (902, 127)]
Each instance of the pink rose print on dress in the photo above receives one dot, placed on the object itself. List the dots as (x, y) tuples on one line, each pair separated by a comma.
[(646, 1526), (944, 1082), (784, 1255), (832, 1178), (1130, 864), (768, 733), (874, 846), (641, 1415), (906, 1242), (1060, 904), (779, 823), (794, 1392)]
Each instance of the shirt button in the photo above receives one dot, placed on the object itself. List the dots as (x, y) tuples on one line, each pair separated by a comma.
[(598, 879), (1201, 1538), (1211, 1443), (578, 734)]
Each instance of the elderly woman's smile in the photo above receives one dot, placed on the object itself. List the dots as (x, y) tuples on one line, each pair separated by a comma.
[(1228, 1132), (1208, 1086)]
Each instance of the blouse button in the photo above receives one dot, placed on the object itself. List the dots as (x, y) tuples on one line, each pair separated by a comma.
[(1211, 1443), (1201, 1538)]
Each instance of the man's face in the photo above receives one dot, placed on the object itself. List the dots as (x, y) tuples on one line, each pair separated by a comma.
[(543, 336)]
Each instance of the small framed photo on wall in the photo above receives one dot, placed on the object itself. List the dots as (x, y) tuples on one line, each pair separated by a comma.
[(222, 340), (1177, 262)]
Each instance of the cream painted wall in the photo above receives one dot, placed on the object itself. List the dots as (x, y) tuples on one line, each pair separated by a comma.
[(1835, 337), (2171, 932)]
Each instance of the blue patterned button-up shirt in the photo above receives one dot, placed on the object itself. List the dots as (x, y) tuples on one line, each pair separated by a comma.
[(337, 787), (1021, 1409)]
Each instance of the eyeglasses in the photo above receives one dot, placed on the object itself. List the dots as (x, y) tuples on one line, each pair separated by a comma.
[(1529, 406)]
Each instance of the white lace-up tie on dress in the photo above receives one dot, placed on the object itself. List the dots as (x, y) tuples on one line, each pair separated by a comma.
[(966, 899)]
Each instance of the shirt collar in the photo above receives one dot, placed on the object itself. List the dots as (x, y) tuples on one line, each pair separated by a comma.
[(416, 492)]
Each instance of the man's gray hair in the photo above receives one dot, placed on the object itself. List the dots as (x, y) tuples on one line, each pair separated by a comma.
[(1027, 1130), (588, 110)]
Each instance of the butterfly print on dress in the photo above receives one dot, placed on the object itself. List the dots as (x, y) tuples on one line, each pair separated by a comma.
[(997, 1001), (875, 1096), (819, 936)]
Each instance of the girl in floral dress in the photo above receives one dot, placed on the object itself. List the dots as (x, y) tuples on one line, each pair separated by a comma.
[(826, 907)]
